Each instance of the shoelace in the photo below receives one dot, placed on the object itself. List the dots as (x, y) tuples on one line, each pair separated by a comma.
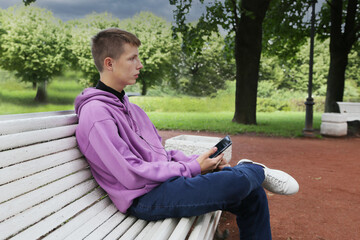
[(275, 181)]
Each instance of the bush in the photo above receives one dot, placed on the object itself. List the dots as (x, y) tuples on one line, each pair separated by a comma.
[(270, 105)]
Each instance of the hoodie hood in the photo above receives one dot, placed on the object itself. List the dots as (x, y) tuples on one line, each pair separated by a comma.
[(91, 94)]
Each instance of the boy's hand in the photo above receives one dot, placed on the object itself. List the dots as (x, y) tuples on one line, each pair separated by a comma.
[(210, 164)]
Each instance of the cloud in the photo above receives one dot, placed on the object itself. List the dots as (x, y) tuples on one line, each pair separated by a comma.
[(72, 9)]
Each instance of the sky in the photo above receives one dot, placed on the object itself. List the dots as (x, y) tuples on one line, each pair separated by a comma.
[(72, 9)]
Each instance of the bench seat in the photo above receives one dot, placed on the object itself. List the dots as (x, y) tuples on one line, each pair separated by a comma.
[(48, 192)]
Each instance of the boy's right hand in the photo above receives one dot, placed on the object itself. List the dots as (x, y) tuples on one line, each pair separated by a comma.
[(209, 164)]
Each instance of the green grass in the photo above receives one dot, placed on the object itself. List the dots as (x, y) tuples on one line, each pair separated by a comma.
[(18, 97), (181, 113), (285, 124)]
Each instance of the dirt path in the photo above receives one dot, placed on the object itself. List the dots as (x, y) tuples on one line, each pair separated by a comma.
[(328, 171)]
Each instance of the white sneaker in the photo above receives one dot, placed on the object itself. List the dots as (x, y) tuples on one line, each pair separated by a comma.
[(276, 181)]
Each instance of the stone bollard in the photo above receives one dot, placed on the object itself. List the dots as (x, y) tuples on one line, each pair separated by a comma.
[(192, 144), (333, 124)]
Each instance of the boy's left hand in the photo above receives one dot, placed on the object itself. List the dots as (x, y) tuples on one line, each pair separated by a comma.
[(223, 163)]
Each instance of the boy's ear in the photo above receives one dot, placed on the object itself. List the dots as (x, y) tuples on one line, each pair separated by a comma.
[(108, 64)]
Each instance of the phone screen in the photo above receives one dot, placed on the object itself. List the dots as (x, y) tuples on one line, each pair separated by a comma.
[(222, 146)]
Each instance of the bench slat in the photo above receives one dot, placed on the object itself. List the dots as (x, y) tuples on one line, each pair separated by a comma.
[(103, 230), (25, 201), (121, 228), (32, 182), (31, 124), (145, 232), (20, 170), (35, 115), (165, 229), (32, 215), (48, 224), (17, 155), (134, 230), (94, 223), (211, 229), (182, 229), (201, 226), (72, 226), (27, 138), (149, 231)]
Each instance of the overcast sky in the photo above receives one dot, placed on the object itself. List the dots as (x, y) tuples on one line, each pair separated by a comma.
[(71, 9)]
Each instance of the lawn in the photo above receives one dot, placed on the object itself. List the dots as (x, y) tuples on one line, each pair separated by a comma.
[(181, 113)]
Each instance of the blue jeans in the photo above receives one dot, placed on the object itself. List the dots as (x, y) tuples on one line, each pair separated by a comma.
[(234, 189)]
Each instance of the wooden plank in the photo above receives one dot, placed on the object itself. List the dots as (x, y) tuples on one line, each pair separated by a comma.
[(93, 223), (24, 169), (165, 229), (32, 182), (30, 216), (105, 228), (134, 230), (121, 228), (17, 155), (31, 124), (200, 226), (27, 138), (149, 231), (55, 220), (182, 229), (35, 115), (73, 225), (145, 232), (211, 229), (19, 204)]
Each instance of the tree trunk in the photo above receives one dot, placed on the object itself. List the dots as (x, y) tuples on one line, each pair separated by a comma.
[(41, 94), (336, 80), (143, 88), (248, 46), (340, 46)]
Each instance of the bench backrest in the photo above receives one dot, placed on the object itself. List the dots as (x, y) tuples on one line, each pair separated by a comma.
[(350, 109), (42, 174), (47, 190)]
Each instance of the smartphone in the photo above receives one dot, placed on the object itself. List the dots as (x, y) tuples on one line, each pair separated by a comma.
[(222, 146)]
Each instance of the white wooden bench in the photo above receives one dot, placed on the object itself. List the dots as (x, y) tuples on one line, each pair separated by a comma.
[(47, 191), (351, 110), (336, 124)]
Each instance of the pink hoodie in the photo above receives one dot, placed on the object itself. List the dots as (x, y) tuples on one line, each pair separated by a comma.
[(123, 147)]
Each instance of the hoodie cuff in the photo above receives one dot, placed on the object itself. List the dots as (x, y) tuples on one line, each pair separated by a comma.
[(194, 168)]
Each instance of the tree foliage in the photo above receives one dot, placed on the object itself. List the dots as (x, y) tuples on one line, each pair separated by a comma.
[(286, 28), (28, 2), (206, 73), (156, 50), (32, 45), (81, 31), (242, 20), (340, 20)]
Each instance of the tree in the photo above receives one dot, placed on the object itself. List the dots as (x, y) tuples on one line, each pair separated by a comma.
[(33, 46), (285, 31), (28, 2), (340, 20), (156, 50), (81, 31), (243, 22), (206, 73), (293, 74)]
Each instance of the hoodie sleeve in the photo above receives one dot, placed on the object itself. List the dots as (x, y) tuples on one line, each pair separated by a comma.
[(177, 155), (110, 156)]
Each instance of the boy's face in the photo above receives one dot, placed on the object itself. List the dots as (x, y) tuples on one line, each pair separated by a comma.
[(126, 68)]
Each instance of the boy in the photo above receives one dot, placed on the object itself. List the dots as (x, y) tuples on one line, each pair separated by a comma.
[(129, 162)]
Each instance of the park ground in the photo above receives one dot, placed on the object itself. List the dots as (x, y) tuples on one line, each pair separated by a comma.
[(327, 206)]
